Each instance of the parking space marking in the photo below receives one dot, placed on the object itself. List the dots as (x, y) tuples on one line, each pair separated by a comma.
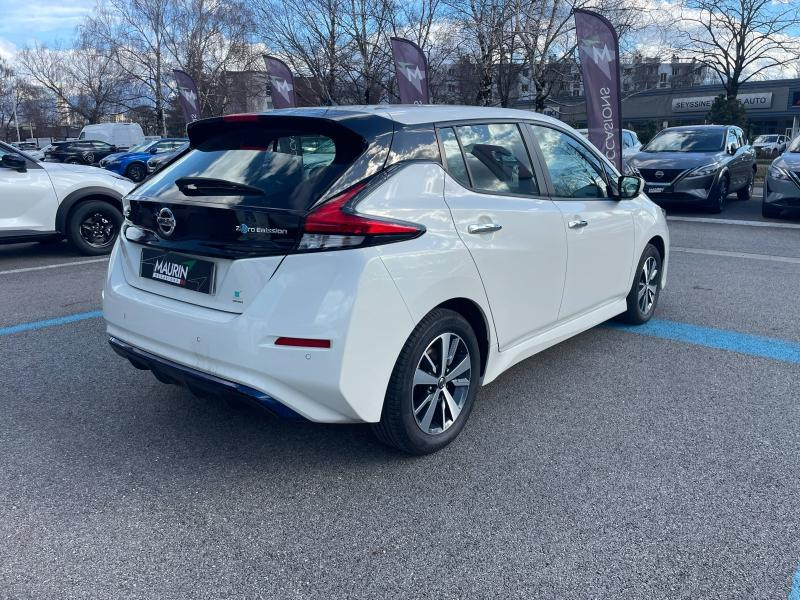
[(50, 322), (735, 222), (794, 594), (56, 266), (749, 255), (721, 339)]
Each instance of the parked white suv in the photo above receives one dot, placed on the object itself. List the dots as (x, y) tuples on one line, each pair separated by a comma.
[(376, 264), (42, 201)]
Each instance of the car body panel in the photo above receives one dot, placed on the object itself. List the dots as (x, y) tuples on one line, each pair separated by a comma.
[(782, 184), (367, 300)]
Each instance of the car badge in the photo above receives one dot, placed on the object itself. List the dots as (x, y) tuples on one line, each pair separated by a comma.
[(659, 174), (166, 221)]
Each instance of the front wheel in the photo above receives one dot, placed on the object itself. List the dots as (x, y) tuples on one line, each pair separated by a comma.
[(136, 172), (433, 385), (747, 191), (643, 296), (93, 227), (718, 198)]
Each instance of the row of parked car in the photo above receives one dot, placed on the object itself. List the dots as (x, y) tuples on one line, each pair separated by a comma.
[(704, 165)]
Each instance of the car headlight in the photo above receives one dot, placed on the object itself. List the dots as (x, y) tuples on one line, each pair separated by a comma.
[(775, 172), (704, 170)]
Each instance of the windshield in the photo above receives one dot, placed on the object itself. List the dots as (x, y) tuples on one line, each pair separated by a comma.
[(766, 139), (141, 147), (795, 145), (687, 140)]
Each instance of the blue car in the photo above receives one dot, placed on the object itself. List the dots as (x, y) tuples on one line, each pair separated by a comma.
[(133, 163)]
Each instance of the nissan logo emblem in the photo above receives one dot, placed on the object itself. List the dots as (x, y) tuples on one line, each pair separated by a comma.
[(166, 221), (659, 174)]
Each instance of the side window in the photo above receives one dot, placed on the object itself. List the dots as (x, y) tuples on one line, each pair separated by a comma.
[(574, 171), (627, 140), (497, 159), (731, 139), (740, 137), (453, 157)]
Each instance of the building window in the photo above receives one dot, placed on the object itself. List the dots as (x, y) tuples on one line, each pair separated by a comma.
[(663, 78), (576, 93), (525, 72), (524, 88), (451, 87)]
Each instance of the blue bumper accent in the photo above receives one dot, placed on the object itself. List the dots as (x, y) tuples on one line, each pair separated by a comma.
[(198, 382)]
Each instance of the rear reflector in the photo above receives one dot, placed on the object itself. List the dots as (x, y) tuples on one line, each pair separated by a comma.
[(302, 342)]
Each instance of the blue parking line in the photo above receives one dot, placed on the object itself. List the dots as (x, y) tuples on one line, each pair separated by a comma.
[(22, 327), (732, 341), (794, 593)]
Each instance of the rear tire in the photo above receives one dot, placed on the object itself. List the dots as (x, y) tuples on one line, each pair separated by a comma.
[(643, 296), (93, 226), (431, 392)]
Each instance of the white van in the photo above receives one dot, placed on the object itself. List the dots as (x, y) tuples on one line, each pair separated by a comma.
[(121, 135)]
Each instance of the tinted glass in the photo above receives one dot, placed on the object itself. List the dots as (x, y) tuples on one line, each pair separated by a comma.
[(453, 156), (574, 171), (731, 140), (292, 170), (627, 140), (497, 158), (687, 140)]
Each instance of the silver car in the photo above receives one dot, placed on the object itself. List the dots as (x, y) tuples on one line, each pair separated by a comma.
[(697, 164), (770, 145), (782, 184)]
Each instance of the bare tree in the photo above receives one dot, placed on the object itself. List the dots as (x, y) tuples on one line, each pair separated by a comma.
[(310, 36), (84, 81), (207, 39), (741, 39), (133, 33), (366, 24)]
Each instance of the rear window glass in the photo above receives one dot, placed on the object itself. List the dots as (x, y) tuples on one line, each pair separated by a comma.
[(275, 168)]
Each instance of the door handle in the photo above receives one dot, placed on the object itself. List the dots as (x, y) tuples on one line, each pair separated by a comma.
[(578, 224), (484, 228)]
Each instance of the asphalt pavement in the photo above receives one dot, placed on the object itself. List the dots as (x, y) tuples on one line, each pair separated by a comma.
[(659, 463)]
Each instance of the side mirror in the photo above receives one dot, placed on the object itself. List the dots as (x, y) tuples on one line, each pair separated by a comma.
[(12, 161), (629, 186), (732, 149), (153, 150)]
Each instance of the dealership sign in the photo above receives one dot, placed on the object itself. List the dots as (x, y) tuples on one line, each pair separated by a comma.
[(703, 103)]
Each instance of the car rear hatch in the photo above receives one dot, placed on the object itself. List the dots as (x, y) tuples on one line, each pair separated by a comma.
[(213, 226)]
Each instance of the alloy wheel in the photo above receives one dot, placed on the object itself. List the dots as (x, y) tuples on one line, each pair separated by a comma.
[(648, 285), (441, 383), (97, 230)]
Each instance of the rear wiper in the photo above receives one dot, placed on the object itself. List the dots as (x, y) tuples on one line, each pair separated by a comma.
[(204, 186)]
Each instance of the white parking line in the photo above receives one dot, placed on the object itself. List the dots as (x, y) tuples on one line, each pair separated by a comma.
[(782, 259), (43, 267), (735, 222)]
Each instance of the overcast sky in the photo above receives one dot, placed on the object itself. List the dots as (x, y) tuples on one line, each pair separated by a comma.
[(27, 21)]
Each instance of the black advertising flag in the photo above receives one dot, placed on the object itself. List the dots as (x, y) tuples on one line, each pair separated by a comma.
[(187, 91), (411, 68), (598, 47), (281, 82)]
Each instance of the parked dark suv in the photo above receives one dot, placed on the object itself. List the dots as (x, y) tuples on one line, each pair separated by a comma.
[(698, 164), (80, 152)]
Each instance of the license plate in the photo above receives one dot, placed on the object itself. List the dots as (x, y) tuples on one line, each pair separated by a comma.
[(178, 270)]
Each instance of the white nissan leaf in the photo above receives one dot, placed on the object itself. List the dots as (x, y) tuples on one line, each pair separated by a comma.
[(376, 264)]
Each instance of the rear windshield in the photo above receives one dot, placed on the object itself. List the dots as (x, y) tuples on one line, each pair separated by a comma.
[(687, 140), (282, 169)]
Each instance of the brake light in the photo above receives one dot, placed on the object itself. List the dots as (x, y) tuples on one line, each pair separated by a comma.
[(241, 118), (302, 342), (335, 224)]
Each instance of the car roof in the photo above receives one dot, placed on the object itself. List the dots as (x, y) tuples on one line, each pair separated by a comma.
[(413, 114)]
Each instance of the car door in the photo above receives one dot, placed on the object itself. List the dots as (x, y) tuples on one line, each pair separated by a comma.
[(513, 232), (599, 229), (739, 165), (28, 201)]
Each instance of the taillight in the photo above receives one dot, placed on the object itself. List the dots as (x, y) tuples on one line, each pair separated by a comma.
[(336, 224)]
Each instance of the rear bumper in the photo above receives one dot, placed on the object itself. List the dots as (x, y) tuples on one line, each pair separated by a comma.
[(198, 382), (346, 297)]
